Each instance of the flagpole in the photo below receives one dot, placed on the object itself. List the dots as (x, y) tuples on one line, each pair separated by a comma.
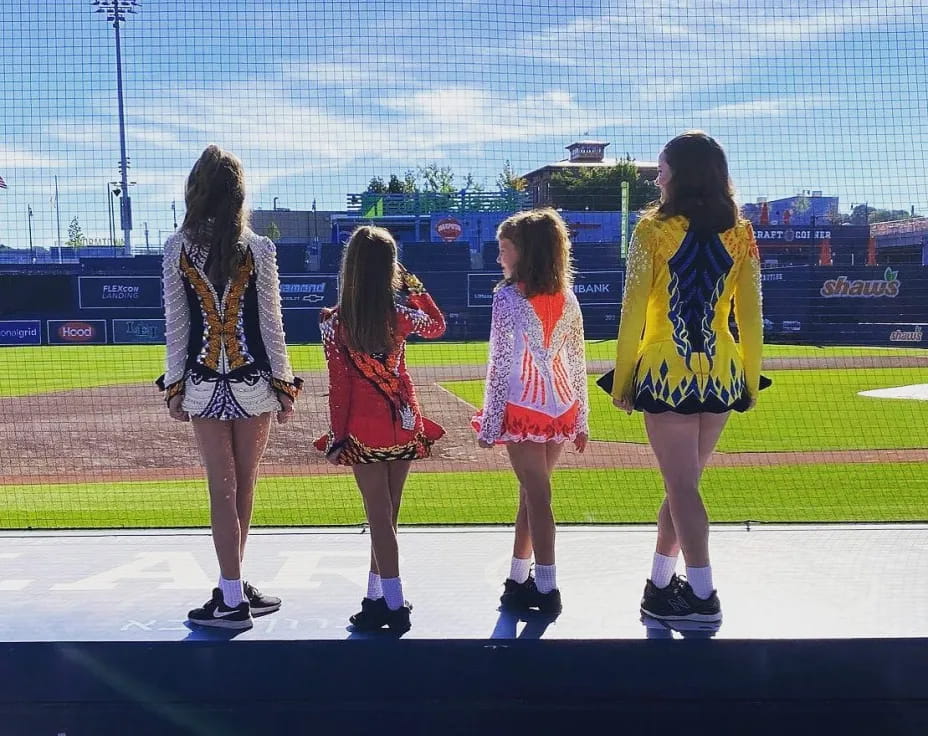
[(58, 217)]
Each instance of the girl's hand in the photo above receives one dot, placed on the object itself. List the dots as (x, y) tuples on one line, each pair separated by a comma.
[(286, 409), (175, 410), (580, 442), (625, 404), (485, 445)]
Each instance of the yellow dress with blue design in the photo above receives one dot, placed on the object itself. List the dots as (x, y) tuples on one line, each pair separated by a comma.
[(675, 350)]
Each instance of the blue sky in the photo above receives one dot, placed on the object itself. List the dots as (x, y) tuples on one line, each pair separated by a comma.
[(318, 97)]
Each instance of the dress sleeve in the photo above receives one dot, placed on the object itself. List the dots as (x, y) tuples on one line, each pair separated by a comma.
[(176, 321), (638, 276), (422, 316), (499, 366), (270, 319), (748, 313), (339, 390), (576, 353)]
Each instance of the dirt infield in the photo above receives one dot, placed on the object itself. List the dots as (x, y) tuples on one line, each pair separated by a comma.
[(119, 433)]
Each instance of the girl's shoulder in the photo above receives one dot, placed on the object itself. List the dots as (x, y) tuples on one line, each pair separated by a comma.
[(654, 226), (506, 293), (174, 243), (740, 238), (259, 244)]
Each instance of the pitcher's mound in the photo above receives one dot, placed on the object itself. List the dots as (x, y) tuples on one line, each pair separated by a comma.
[(918, 391)]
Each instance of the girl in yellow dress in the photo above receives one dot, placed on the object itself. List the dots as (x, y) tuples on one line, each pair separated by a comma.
[(691, 257)]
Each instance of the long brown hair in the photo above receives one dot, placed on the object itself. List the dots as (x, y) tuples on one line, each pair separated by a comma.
[(367, 292), (699, 187), (542, 243), (216, 217)]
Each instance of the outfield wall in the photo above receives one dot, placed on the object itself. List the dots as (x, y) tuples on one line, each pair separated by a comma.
[(812, 305)]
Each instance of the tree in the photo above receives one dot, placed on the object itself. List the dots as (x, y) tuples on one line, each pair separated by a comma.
[(437, 178), (395, 186), (75, 234), (887, 215), (377, 186), (508, 181), (472, 185), (410, 182), (272, 231), (600, 188)]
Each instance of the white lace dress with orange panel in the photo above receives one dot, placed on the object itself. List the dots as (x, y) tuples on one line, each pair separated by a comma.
[(536, 387)]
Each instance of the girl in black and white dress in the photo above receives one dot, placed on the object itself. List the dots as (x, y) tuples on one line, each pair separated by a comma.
[(227, 365)]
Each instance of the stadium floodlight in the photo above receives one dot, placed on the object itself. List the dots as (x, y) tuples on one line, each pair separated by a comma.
[(116, 11)]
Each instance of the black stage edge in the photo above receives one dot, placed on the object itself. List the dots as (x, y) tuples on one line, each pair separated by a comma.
[(385, 686)]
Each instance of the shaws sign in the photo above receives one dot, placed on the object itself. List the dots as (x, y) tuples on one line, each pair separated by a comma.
[(889, 286)]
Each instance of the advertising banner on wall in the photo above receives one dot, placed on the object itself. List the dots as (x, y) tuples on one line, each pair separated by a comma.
[(21, 332), (119, 292), (138, 331), (593, 288), (308, 292), (77, 332)]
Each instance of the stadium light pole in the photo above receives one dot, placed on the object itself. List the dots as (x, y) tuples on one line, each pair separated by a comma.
[(116, 11), (31, 248)]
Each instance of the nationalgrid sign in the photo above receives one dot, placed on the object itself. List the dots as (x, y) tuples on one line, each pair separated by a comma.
[(21, 332)]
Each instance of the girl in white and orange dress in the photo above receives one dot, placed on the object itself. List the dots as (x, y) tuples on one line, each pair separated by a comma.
[(536, 389)]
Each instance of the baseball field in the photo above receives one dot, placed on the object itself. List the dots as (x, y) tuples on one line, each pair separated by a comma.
[(85, 442)]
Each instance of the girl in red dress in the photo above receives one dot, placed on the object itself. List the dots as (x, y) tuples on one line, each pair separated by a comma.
[(536, 390), (376, 425)]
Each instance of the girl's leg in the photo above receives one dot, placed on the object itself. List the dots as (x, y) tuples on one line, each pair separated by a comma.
[(710, 429), (522, 547), (675, 441), (522, 544), (529, 461), (397, 472), (249, 440), (215, 442), (668, 546), (373, 481)]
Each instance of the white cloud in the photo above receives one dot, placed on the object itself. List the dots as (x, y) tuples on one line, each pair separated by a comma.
[(20, 158), (765, 107)]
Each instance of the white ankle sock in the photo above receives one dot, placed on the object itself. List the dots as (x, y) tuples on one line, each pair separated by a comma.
[(374, 587), (545, 578), (393, 592), (519, 569), (232, 592), (700, 580), (662, 569)]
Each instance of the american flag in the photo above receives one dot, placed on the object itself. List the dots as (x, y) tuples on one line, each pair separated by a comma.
[(2, 183)]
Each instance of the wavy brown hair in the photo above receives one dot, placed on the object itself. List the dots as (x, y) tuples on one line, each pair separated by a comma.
[(216, 216), (367, 292), (542, 243), (699, 187)]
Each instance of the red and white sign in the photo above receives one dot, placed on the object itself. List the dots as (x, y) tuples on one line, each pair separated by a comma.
[(448, 229), (75, 332)]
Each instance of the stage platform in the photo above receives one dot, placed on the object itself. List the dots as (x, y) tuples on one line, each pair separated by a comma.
[(825, 622)]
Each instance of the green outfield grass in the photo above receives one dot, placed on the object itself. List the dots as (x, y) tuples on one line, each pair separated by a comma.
[(36, 370), (811, 493), (803, 410)]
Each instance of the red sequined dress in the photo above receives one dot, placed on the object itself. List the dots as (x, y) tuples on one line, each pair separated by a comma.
[(373, 409)]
